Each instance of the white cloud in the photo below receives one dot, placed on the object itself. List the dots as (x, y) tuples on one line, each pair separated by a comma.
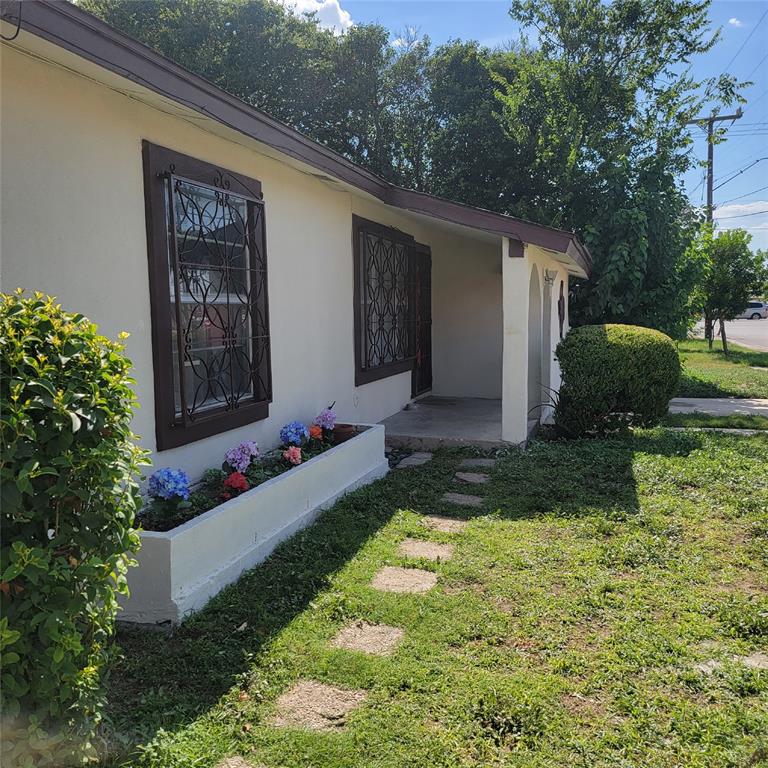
[(330, 14), (734, 22), (752, 216)]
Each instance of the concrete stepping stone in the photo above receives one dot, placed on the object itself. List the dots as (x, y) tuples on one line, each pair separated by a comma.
[(414, 460), (757, 660), (463, 499), (236, 762), (411, 580), (373, 639), (317, 706), (444, 524), (478, 463), (478, 478), (429, 550)]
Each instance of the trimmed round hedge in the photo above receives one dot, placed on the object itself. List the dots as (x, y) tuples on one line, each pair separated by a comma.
[(69, 496), (614, 375)]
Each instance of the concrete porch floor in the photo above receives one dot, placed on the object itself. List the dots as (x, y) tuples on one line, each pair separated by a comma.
[(434, 421)]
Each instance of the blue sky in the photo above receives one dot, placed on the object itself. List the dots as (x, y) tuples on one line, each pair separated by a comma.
[(743, 49)]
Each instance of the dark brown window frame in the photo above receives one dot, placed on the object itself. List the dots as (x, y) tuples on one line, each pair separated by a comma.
[(159, 164), (363, 374)]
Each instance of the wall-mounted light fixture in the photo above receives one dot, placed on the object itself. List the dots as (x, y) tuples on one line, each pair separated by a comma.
[(549, 276)]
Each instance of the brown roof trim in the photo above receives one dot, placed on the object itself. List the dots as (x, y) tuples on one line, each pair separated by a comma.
[(64, 24)]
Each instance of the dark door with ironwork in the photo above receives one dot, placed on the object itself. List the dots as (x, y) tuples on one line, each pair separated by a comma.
[(422, 364)]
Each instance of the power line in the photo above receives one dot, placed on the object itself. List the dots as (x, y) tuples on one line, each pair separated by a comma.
[(746, 194), (746, 168), (759, 64), (742, 215), (710, 123), (749, 37)]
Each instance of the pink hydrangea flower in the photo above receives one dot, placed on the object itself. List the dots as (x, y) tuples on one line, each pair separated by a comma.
[(293, 454)]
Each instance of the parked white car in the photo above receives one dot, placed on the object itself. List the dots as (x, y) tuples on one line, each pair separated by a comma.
[(756, 310)]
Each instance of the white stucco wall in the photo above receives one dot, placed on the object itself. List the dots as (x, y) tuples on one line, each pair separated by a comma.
[(466, 305), (73, 226), (516, 283)]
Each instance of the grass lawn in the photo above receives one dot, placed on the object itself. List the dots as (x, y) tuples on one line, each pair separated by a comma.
[(712, 374), (564, 631), (734, 421)]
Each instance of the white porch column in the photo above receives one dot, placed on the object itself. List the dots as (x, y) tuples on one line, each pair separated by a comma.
[(514, 374)]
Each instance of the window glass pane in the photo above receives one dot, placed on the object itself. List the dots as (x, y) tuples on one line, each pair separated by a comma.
[(386, 300), (220, 310)]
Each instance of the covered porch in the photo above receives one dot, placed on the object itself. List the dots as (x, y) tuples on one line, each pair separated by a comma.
[(430, 422), (498, 310)]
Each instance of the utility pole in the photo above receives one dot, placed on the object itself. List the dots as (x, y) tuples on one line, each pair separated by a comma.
[(710, 121), (709, 321)]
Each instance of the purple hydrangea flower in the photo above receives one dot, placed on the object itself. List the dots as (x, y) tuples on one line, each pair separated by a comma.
[(240, 458), (169, 483), (326, 419), (294, 433)]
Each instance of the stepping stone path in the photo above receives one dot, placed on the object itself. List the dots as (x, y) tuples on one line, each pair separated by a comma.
[(429, 550), (478, 464), (414, 460), (473, 477), (317, 706), (410, 580), (374, 639), (443, 524), (463, 499)]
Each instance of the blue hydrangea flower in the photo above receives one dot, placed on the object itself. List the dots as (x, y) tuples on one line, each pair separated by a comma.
[(169, 483), (240, 458), (294, 433), (326, 419)]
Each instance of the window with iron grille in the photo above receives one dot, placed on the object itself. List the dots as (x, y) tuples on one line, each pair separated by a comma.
[(208, 285), (385, 312)]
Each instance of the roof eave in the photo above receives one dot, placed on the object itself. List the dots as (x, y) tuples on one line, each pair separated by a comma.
[(64, 24)]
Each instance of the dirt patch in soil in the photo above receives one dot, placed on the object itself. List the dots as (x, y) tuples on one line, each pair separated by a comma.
[(478, 463), (429, 550), (375, 639), (463, 499), (236, 762), (583, 706), (444, 524), (392, 579), (317, 706)]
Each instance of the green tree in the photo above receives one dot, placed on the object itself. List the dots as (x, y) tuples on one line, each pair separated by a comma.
[(732, 275)]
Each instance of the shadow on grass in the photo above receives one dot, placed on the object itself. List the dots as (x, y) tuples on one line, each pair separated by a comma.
[(165, 682), (580, 477)]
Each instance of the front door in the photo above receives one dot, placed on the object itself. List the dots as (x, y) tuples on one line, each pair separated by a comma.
[(422, 365)]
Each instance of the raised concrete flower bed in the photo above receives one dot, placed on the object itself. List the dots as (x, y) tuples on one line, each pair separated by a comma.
[(181, 569)]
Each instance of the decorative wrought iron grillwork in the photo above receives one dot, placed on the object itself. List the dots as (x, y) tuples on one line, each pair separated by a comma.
[(218, 292), (387, 298)]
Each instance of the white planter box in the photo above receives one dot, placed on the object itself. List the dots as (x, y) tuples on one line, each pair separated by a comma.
[(180, 570)]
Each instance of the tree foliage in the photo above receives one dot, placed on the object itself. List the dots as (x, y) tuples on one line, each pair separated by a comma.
[(733, 274), (583, 130)]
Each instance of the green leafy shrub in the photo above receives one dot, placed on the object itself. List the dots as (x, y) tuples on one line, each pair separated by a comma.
[(69, 497), (614, 375)]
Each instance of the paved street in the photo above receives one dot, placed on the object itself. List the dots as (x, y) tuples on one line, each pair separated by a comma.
[(748, 333)]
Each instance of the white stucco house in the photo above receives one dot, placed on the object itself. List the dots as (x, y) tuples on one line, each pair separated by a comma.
[(260, 275)]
